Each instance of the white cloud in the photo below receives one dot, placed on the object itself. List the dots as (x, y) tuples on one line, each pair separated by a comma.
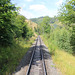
[(27, 14), (37, 7), (59, 2), (29, 0), (48, 12), (42, 10), (23, 6), (39, 10)]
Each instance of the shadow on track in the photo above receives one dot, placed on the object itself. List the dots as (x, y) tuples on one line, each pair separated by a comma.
[(26, 59)]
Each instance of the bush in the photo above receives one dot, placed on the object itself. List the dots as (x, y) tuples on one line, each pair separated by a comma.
[(61, 38), (73, 39)]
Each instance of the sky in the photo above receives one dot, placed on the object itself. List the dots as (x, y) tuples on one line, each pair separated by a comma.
[(38, 8)]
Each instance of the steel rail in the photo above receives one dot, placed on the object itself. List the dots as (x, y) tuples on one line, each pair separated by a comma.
[(28, 71), (42, 58), (43, 62)]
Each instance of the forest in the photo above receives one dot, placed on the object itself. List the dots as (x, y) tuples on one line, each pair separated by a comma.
[(57, 32), (14, 36)]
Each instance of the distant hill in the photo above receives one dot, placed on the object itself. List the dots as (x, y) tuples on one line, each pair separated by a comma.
[(37, 20), (40, 19), (53, 21)]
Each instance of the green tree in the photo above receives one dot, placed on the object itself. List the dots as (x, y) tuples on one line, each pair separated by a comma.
[(67, 17), (21, 27), (45, 26), (67, 12), (73, 39), (19, 23), (6, 28)]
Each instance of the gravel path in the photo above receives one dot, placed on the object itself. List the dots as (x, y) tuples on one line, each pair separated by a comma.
[(24, 64)]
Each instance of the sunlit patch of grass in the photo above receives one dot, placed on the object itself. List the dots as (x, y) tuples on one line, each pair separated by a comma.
[(64, 61)]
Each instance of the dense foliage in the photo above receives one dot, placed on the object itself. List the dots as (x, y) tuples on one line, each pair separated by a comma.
[(67, 12), (73, 39), (61, 38), (21, 27), (11, 24), (12, 27), (67, 17), (6, 28), (44, 26)]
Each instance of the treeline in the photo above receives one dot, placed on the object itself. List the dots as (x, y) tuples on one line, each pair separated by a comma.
[(44, 26), (12, 28), (62, 37), (40, 19), (67, 17), (12, 24)]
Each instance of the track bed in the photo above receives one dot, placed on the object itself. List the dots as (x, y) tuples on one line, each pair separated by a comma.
[(37, 66)]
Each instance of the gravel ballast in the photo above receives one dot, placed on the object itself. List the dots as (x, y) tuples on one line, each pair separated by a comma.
[(50, 66), (24, 64)]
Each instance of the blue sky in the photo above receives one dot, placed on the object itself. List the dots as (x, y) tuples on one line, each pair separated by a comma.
[(38, 8)]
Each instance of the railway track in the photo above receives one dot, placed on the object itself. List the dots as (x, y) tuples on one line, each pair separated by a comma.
[(37, 64)]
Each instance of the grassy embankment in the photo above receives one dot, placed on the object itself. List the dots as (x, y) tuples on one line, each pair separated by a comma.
[(14, 55), (64, 61)]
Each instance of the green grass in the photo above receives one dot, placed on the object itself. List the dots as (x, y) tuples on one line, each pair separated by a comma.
[(64, 61), (11, 56)]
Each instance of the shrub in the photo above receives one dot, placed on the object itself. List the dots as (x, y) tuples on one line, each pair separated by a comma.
[(61, 38)]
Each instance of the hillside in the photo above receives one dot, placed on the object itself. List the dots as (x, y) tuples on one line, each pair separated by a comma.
[(53, 21), (31, 24), (37, 20), (40, 19)]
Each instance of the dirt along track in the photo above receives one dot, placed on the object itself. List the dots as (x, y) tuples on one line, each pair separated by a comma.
[(37, 66), (37, 61)]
